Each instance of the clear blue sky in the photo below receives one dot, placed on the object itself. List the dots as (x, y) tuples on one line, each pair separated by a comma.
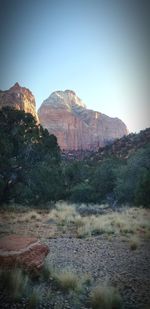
[(98, 48)]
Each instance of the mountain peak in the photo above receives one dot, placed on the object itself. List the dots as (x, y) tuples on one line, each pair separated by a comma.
[(19, 98), (16, 86), (70, 92), (65, 115), (64, 99)]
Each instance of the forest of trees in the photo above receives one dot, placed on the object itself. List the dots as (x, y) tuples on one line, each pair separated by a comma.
[(32, 171)]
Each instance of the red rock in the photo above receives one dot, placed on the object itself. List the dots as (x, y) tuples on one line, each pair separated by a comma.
[(19, 98), (25, 252), (66, 116), (75, 126)]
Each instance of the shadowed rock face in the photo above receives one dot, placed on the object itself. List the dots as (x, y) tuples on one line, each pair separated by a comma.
[(19, 98), (75, 126)]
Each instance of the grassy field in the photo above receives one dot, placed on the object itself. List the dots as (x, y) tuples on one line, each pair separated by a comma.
[(132, 223)]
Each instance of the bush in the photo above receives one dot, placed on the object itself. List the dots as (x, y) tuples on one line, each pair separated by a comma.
[(82, 192), (14, 282), (105, 297), (34, 298), (2, 188), (133, 180), (134, 243), (142, 191), (68, 280), (103, 179), (46, 183)]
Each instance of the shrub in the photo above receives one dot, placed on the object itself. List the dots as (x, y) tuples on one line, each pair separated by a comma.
[(63, 214), (133, 179), (14, 281), (47, 271), (34, 298), (105, 297), (82, 192), (134, 243), (68, 280), (103, 179), (142, 191)]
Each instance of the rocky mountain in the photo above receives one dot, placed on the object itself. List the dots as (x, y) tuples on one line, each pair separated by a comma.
[(76, 127), (19, 98)]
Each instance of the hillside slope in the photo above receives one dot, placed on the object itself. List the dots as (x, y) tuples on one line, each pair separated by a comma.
[(124, 147)]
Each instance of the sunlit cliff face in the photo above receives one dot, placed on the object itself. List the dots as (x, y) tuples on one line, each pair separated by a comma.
[(76, 127), (19, 98)]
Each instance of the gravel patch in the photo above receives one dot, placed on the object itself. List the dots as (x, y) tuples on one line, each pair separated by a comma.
[(104, 260), (107, 260)]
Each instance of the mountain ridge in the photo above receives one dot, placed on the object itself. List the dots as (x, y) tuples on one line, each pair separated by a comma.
[(64, 114)]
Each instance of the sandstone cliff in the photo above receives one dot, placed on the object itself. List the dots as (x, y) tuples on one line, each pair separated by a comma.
[(75, 126), (19, 98)]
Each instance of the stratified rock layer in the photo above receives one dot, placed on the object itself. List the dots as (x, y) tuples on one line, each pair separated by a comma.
[(19, 98), (75, 126), (26, 252)]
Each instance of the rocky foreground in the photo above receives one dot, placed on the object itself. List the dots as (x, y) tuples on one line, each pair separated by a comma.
[(108, 260)]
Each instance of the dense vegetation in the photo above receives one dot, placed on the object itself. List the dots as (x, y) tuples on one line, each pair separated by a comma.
[(31, 169), (29, 159)]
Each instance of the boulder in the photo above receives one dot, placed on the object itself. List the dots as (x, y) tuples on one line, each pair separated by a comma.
[(26, 252)]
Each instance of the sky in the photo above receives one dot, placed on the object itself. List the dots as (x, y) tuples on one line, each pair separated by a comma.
[(98, 48)]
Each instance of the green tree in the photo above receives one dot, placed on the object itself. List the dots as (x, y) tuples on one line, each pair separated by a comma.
[(132, 184), (23, 145), (142, 190), (103, 179), (81, 192)]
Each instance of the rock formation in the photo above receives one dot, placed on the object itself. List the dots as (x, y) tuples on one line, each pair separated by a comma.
[(26, 252), (19, 98), (75, 126)]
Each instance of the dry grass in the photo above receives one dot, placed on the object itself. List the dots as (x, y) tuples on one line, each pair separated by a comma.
[(35, 298), (134, 242), (128, 221), (63, 214), (28, 216), (94, 225), (105, 297), (14, 282), (68, 280), (65, 218), (31, 223), (48, 271)]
